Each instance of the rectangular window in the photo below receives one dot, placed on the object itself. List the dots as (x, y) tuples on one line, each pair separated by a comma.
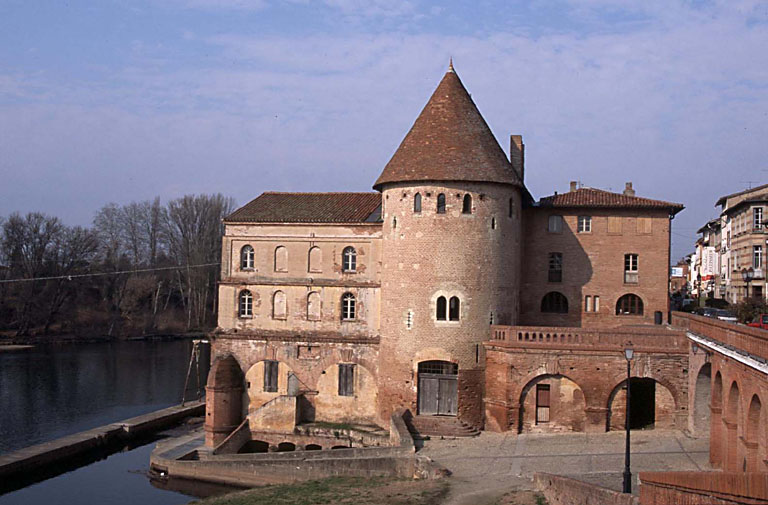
[(555, 267), (644, 226), (728, 240), (757, 218), (614, 225), (630, 269), (757, 257), (346, 380), (587, 303), (542, 403), (555, 224), (270, 376), (597, 304), (585, 224)]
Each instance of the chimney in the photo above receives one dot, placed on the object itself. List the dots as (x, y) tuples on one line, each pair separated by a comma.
[(517, 155), (628, 191), (574, 186)]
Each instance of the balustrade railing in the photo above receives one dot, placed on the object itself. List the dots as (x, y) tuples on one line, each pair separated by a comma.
[(588, 338)]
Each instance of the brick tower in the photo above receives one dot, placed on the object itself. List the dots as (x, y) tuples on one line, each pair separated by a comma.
[(451, 256)]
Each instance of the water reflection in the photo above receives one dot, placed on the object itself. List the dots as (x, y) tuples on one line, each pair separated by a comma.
[(56, 390)]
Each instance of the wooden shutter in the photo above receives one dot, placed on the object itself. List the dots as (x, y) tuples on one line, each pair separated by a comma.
[(270, 376), (644, 225), (614, 225), (346, 380)]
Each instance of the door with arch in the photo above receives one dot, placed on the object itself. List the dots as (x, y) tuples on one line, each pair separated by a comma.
[(438, 388)]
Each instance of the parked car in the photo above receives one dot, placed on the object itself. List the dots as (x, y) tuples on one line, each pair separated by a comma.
[(725, 315), (761, 322), (706, 311)]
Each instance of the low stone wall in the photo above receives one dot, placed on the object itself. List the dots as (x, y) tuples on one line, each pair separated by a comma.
[(247, 470), (703, 488), (565, 491)]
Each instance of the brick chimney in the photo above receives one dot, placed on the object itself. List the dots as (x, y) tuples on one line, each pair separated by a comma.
[(517, 155), (574, 186), (628, 191)]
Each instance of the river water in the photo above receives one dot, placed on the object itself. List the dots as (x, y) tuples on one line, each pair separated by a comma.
[(57, 390)]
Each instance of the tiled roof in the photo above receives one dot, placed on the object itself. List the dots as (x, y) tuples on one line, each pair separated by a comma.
[(450, 141), (273, 207), (590, 197), (763, 198), (723, 199)]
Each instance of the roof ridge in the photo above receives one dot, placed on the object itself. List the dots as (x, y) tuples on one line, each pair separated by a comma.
[(319, 193)]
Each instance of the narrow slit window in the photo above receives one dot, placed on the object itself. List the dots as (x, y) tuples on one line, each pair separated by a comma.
[(441, 308), (441, 203), (417, 203), (454, 308), (466, 206)]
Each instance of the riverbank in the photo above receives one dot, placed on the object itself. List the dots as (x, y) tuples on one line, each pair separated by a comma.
[(32, 340), (15, 347), (48, 459)]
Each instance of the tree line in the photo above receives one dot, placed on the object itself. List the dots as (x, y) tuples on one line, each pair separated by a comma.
[(140, 268)]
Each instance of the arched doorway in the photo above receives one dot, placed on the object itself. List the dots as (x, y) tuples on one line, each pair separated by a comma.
[(653, 405), (438, 388), (701, 401), (551, 403)]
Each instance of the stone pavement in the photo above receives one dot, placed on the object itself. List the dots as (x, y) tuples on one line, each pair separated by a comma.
[(487, 466)]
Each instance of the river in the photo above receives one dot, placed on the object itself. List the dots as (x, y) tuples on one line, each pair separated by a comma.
[(56, 390)]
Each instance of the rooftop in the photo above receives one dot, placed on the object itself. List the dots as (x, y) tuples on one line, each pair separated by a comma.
[(591, 197), (275, 207), (723, 199)]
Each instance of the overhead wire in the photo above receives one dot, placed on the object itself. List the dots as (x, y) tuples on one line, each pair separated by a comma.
[(102, 274)]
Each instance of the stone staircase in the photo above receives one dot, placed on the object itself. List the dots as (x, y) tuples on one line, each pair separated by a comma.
[(424, 427)]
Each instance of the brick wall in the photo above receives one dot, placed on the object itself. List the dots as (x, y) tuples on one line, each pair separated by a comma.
[(564, 491), (593, 265), (703, 488)]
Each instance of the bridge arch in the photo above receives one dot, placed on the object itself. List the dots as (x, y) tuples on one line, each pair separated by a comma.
[(552, 403)]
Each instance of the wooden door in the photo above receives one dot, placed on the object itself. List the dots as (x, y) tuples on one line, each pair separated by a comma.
[(429, 392), (447, 396)]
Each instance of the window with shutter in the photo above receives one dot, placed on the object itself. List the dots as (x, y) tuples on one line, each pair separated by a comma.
[(614, 225), (346, 380), (270, 376), (542, 403)]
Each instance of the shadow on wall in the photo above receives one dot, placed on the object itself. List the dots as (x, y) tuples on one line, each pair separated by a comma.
[(555, 268)]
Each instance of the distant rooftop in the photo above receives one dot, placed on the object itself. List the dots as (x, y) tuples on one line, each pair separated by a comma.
[(275, 207), (723, 199), (597, 198)]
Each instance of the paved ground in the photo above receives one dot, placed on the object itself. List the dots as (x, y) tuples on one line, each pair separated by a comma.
[(486, 466)]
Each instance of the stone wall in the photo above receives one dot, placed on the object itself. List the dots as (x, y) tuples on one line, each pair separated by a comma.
[(565, 491), (703, 488)]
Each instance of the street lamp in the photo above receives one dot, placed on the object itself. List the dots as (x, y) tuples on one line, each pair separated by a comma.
[(628, 353), (747, 274)]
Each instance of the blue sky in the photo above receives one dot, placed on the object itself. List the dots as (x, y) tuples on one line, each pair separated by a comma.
[(120, 101)]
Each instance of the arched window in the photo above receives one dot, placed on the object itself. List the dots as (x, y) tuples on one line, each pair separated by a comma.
[(466, 206), (245, 304), (348, 307), (279, 309), (246, 258), (441, 203), (554, 302), (629, 304), (442, 309), (315, 259), (417, 202), (511, 207), (281, 259), (454, 308), (313, 306), (349, 259)]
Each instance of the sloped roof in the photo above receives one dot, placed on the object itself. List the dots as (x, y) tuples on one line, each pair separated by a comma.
[(275, 207), (450, 141), (723, 199), (590, 197)]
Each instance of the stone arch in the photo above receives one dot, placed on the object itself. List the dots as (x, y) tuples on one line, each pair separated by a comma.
[(313, 447), (564, 410), (315, 260), (254, 446), (223, 399), (286, 447), (653, 405), (360, 406), (255, 396), (702, 398), (754, 438), (731, 422), (716, 422)]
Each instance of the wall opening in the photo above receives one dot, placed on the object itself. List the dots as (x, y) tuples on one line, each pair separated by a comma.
[(253, 446), (438, 388), (652, 406), (701, 400)]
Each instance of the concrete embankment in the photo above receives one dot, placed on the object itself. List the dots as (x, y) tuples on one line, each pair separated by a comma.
[(40, 457)]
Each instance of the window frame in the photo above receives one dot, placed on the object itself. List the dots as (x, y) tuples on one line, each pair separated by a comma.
[(554, 302), (346, 379), (757, 257), (555, 267), (441, 308), (271, 375), (454, 309), (632, 302), (247, 258), (441, 205), (757, 219), (417, 203), (584, 224), (245, 307), (631, 268), (466, 204), (348, 307), (555, 223), (349, 260)]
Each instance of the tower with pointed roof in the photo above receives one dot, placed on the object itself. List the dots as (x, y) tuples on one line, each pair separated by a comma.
[(451, 218)]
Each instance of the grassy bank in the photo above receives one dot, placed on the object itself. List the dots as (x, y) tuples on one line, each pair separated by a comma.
[(341, 490)]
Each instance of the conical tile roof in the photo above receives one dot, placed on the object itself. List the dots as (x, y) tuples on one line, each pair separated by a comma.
[(450, 141)]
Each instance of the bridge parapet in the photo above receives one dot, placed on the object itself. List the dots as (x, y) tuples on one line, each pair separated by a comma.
[(744, 338), (642, 338)]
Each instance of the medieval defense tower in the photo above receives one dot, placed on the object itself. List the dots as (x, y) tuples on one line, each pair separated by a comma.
[(451, 210)]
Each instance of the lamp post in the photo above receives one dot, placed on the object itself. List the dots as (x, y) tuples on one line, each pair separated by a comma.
[(747, 274), (628, 352)]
